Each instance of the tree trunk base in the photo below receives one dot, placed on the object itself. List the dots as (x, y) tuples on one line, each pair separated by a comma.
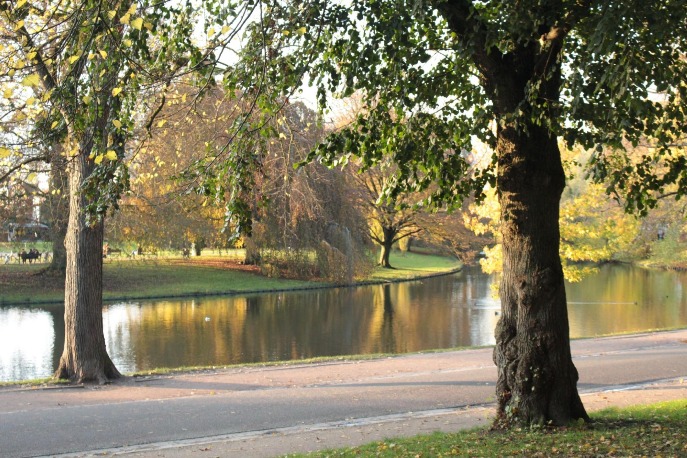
[(99, 375)]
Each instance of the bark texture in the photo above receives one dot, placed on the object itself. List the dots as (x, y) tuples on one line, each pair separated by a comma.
[(537, 381), (84, 357)]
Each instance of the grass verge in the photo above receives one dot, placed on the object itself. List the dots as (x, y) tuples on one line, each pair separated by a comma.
[(174, 277), (639, 431)]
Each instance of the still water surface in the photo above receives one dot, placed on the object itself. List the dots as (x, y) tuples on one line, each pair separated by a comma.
[(443, 312)]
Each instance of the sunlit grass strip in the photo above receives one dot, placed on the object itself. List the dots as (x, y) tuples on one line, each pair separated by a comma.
[(412, 265), (35, 383), (297, 362), (651, 430)]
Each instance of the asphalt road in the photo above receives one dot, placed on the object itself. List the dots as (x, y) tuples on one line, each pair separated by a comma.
[(184, 407)]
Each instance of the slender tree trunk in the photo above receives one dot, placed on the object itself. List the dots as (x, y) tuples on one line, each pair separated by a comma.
[(537, 381), (84, 357), (58, 203)]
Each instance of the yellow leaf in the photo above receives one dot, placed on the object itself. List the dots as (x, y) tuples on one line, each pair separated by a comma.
[(103, 54), (31, 177), (4, 152), (137, 23), (132, 8), (74, 58), (116, 91), (225, 29), (126, 42), (111, 155), (286, 33), (117, 123), (30, 100), (19, 4), (148, 25), (161, 123), (19, 25), (54, 124), (111, 14), (301, 31), (87, 99), (8, 92), (31, 55), (47, 95), (183, 98), (211, 31), (31, 80), (48, 62), (99, 158), (91, 56), (125, 19)]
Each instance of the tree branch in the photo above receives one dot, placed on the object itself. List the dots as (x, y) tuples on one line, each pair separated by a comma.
[(19, 165)]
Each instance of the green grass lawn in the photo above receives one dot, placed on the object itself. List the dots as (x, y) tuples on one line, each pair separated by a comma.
[(412, 265), (641, 431), (205, 275)]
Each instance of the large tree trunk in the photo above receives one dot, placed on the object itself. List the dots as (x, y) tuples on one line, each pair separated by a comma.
[(388, 235), (58, 204), (537, 381), (84, 357)]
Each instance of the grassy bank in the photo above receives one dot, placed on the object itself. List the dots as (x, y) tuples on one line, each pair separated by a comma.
[(173, 277), (653, 430)]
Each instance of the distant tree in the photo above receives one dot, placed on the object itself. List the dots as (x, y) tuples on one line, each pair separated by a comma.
[(161, 211), (390, 218), (449, 231), (308, 210)]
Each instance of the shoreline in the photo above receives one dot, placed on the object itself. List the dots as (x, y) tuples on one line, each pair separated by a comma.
[(198, 294), (170, 372)]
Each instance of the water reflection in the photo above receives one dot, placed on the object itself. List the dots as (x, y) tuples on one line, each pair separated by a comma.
[(394, 318), (26, 343)]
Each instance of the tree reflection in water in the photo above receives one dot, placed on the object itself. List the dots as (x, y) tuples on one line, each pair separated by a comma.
[(443, 312)]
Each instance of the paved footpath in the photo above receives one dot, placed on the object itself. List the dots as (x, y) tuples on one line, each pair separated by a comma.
[(271, 411)]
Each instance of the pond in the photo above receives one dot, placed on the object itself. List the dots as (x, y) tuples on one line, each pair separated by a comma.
[(443, 312)]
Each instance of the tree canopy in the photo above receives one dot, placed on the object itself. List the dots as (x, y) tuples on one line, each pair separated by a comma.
[(438, 76)]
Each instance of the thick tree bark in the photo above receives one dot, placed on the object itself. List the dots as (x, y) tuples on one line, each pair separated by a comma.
[(84, 357), (537, 381)]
